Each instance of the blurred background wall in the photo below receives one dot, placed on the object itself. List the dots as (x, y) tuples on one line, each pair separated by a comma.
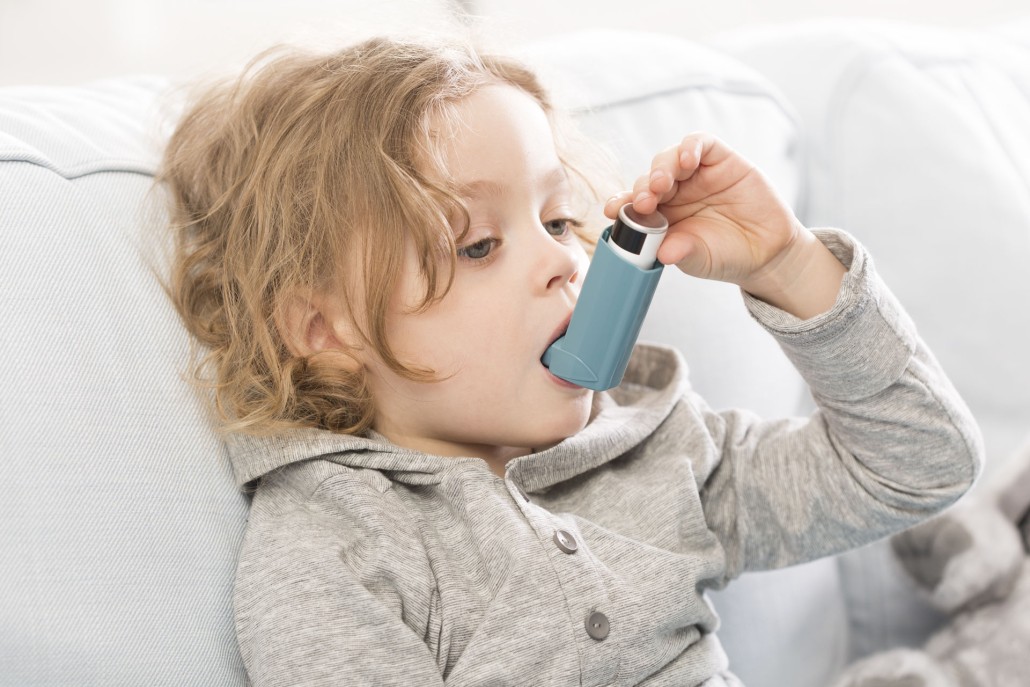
[(70, 41)]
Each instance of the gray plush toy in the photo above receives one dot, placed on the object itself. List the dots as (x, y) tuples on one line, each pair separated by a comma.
[(972, 562)]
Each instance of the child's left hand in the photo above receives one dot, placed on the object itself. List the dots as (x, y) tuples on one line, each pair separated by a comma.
[(726, 222)]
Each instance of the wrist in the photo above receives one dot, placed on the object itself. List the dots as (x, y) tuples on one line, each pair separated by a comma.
[(803, 280)]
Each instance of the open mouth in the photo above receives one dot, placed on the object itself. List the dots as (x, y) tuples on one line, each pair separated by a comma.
[(558, 333)]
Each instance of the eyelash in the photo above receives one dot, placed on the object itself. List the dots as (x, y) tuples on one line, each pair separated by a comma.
[(463, 252)]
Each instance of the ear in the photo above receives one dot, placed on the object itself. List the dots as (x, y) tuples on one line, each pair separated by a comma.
[(312, 323)]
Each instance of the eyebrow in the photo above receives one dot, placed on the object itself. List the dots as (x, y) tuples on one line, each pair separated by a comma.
[(488, 188)]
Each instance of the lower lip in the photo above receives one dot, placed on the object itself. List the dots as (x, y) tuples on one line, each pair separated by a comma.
[(562, 382)]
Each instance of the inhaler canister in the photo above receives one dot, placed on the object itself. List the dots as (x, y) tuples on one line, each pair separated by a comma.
[(616, 294), (635, 237)]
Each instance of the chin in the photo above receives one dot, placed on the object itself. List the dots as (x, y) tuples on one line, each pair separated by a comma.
[(554, 433)]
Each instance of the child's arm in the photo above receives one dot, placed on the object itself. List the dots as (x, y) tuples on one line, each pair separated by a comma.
[(892, 442), (727, 223)]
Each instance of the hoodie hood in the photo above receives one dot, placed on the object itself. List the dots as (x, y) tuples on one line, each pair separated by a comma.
[(622, 418)]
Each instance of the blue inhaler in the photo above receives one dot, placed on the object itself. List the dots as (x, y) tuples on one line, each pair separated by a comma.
[(612, 304)]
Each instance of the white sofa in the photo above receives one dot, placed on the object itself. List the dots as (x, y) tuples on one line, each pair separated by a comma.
[(120, 521)]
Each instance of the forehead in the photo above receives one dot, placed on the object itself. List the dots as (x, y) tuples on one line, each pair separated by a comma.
[(495, 135)]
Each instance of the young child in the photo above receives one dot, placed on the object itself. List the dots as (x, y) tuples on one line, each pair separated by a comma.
[(376, 247)]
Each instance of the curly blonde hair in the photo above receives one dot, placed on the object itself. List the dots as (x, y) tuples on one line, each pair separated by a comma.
[(276, 180)]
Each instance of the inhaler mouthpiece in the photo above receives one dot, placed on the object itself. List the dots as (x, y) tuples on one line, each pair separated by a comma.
[(616, 294)]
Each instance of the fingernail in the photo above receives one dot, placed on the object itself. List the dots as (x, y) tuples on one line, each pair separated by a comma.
[(641, 197), (657, 174)]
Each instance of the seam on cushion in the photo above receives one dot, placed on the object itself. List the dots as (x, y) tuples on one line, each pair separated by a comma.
[(845, 88), (116, 166), (852, 74), (1006, 150), (863, 64), (742, 88)]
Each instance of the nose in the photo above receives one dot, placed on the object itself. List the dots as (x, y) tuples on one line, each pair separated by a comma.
[(558, 263)]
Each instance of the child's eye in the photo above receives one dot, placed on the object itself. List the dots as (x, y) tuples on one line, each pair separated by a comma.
[(478, 250), (560, 227)]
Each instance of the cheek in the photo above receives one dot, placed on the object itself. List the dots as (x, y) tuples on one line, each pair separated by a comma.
[(473, 335), (484, 337)]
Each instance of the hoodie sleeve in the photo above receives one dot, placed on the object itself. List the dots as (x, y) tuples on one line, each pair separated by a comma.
[(891, 442), (330, 591)]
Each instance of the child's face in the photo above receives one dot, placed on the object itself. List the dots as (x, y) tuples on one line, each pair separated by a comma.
[(515, 285)]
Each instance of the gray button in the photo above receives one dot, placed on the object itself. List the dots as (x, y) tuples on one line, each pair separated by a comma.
[(565, 541), (597, 625)]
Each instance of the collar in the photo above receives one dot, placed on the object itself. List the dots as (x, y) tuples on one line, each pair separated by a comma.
[(656, 378)]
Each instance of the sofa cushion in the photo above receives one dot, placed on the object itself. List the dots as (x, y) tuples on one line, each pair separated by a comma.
[(121, 522)]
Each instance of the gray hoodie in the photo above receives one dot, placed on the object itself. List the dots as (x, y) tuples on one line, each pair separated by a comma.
[(365, 563)]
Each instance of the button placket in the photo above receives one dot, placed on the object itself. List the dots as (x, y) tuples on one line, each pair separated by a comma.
[(585, 591)]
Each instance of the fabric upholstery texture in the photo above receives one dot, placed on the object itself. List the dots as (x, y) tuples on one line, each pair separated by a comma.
[(121, 522)]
